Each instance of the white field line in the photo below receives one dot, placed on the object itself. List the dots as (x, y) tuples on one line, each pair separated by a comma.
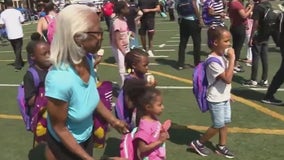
[(164, 50), (265, 89), (160, 56), (154, 64)]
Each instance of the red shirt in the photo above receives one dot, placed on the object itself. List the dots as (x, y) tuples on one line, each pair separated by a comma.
[(235, 17)]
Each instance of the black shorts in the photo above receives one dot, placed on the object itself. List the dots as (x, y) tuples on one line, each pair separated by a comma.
[(147, 24), (61, 152)]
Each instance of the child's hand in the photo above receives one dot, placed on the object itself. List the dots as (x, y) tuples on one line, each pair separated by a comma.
[(232, 99), (230, 53), (120, 126), (164, 136)]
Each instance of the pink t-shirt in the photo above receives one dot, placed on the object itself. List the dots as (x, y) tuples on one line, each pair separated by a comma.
[(149, 131), (120, 25)]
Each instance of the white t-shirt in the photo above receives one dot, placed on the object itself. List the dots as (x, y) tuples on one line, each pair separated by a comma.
[(12, 19), (218, 90)]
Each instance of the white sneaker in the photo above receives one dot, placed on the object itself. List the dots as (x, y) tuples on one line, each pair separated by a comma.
[(150, 53)]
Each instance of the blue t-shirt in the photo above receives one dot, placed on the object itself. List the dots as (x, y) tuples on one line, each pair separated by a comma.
[(82, 100)]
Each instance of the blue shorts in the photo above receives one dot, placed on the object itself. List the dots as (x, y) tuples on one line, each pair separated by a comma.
[(220, 113)]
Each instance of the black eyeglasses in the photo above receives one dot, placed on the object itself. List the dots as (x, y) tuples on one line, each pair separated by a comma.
[(98, 34)]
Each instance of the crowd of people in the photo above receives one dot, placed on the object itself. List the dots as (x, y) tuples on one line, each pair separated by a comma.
[(63, 53)]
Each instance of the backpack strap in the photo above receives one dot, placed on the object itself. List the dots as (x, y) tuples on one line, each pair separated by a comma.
[(281, 22), (210, 60), (47, 19), (213, 59), (35, 75)]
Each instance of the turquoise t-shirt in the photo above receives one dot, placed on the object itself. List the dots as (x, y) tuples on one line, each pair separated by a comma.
[(82, 98)]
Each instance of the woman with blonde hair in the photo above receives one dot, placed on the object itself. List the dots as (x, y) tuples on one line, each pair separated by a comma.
[(71, 88)]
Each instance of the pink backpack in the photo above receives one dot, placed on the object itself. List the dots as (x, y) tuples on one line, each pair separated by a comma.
[(127, 146), (51, 30)]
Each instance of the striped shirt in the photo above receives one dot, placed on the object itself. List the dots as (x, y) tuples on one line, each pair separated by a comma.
[(218, 7)]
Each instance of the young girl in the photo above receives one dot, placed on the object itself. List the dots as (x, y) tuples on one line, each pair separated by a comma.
[(136, 62), (120, 36), (150, 136), (218, 95), (39, 53)]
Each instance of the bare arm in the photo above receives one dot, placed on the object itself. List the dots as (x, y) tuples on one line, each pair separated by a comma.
[(31, 101), (245, 13), (40, 26), (143, 147), (57, 111), (227, 76), (120, 126), (194, 5), (117, 40), (197, 13), (156, 9)]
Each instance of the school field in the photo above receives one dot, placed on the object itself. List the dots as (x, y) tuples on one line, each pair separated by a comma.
[(256, 131)]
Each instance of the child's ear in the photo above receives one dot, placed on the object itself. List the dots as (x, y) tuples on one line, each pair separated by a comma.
[(32, 57), (215, 43), (133, 66), (147, 107)]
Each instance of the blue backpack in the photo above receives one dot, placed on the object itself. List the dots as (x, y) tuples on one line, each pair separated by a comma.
[(200, 83), (185, 8)]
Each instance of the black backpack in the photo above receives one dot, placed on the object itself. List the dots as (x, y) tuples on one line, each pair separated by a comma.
[(185, 8), (270, 19)]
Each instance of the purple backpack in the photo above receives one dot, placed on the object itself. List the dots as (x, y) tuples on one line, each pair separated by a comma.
[(121, 110), (33, 116), (200, 83), (100, 124)]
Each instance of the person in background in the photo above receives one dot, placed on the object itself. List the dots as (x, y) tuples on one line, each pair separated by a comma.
[(171, 8), (12, 19), (108, 13), (238, 16), (119, 33), (278, 78), (190, 26), (259, 43), (43, 22), (133, 19), (147, 26), (71, 88), (217, 10)]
